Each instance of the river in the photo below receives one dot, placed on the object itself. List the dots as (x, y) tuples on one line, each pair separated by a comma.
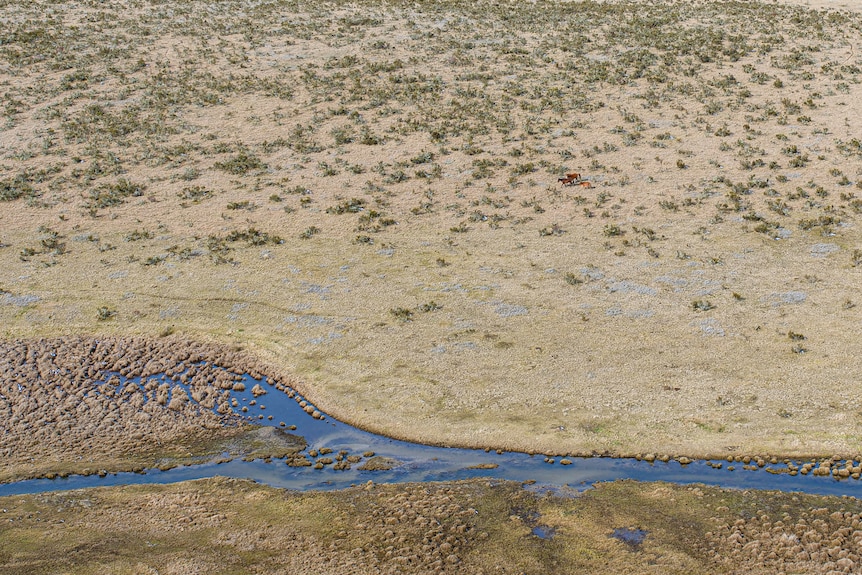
[(419, 463)]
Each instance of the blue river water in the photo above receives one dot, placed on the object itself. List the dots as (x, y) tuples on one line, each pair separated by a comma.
[(420, 463)]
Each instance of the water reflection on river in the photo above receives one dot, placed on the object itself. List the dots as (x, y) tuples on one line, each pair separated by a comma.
[(418, 463)]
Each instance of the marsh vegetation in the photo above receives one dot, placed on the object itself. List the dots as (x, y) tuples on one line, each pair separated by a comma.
[(224, 526)]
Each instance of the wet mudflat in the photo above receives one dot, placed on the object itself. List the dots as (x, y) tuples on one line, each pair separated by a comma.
[(57, 420)]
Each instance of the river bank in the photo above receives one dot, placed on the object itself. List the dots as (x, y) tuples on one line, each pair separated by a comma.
[(94, 406)]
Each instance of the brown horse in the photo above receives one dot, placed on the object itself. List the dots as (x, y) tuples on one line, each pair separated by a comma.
[(570, 179)]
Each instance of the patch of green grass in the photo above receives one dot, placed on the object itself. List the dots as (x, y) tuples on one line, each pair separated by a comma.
[(254, 237), (351, 206), (310, 232), (401, 313), (195, 193), (241, 164), (105, 313), (108, 195)]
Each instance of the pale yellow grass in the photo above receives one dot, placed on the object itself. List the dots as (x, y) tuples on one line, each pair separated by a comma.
[(620, 356)]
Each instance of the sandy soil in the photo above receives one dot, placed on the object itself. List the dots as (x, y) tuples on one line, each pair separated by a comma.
[(823, 4), (369, 200)]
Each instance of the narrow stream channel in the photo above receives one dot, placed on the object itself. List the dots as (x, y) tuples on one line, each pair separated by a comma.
[(418, 463)]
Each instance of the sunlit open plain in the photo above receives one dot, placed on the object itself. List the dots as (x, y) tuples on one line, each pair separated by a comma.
[(368, 196)]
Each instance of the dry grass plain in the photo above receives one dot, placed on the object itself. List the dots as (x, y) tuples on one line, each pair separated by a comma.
[(366, 195)]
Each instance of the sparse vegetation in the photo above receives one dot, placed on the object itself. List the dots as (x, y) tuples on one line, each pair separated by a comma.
[(108, 195), (195, 194), (401, 313), (702, 305), (105, 313), (241, 164), (573, 279), (309, 232), (418, 150), (430, 306)]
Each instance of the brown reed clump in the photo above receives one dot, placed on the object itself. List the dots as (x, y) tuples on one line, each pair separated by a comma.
[(57, 416), (818, 541)]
